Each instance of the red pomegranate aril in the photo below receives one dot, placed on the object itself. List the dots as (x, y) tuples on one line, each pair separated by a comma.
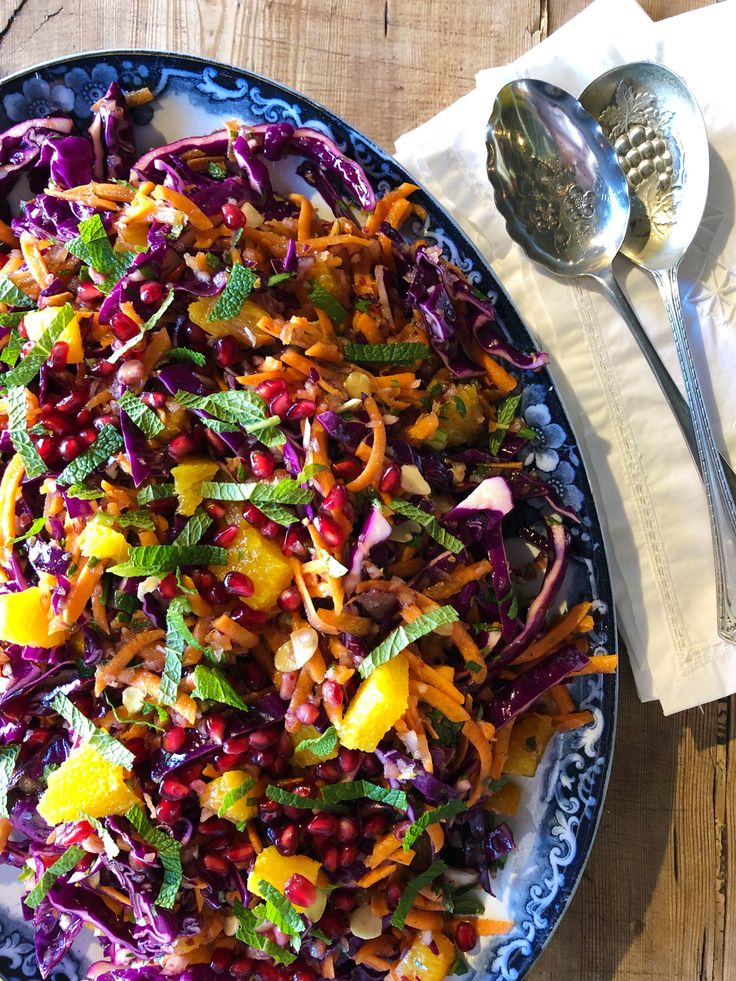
[(88, 293), (262, 464), (215, 726), (390, 479), (280, 405), (347, 469), (48, 449), (263, 738), (108, 420), (242, 967), (216, 594), (181, 445), (279, 768), (336, 498), (188, 774), (221, 960), (333, 924), (138, 748), (466, 936), (290, 600), (84, 418), (347, 829), (332, 694), (103, 369), (302, 409), (324, 825), (253, 674), (302, 973), (76, 833), (293, 544), (74, 401), (269, 529), (151, 292), (123, 327), (329, 771), (226, 536), (133, 374), (288, 840), (240, 853), (349, 759), (215, 827), (168, 811), (271, 388), (269, 811), (70, 448), (87, 435), (394, 892), (173, 789), (173, 740), (238, 584), (344, 899), (329, 530), (375, 825), (263, 758), (154, 400), (59, 425), (215, 510), (169, 587), (232, 216), (59, 354), (254, 516), (370, 766), (247, 617), (307, 713), (234, 745), (348, 854), (228, 351), (299, 890), (213, 863)]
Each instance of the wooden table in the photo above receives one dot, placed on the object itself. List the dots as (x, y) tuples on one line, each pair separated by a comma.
[(658, 899)]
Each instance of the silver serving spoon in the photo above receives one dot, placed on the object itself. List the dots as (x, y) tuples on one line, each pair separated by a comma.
[(657, 130), (565, 199)]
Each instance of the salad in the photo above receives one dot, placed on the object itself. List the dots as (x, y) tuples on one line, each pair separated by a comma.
[(278, 633)]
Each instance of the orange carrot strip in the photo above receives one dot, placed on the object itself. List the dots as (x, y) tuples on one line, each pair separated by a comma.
[(5, 829), (572, 720), (150, 683), (557, 635), (374, 876), (438, 699), (486, 927), (34, 260), (383, 847), (254, 838), (475, 736), (375, 461), (383, 207), (561, 697), (9, 490), (158, 345), (500, 379), (6, 234), (419, 919), (237, 634), (501, 749), (182, 203), (457, 579), (428, 674), (306, 217), (81, 591), (598, 664), (122, 658)]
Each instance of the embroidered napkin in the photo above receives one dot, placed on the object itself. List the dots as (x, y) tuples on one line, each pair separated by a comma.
[(647, 489)]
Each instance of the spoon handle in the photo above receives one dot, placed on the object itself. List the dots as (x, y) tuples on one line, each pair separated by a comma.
[(721, 505)]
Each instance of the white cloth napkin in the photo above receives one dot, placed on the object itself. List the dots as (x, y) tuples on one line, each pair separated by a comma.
[(646, 486)]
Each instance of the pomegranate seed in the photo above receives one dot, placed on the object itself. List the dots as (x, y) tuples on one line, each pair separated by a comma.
[(168, 811), (216, 594), (328, 771), (299, 890), (215, 726), (288, 840), (302, 973), (269, 389), (336, 498), (371, 767), (88, 293), (240, 853), (103, 369), (394, 892), (348, 854), (344, 899), (108, 420), (169, 587), (243, 967), (133, 374), (215, 827), (290, 600), (349, 759), (181, 445), (307, 713), (332, 694), (238, 584), (269, 529), (84, 418), (293, 544), (70, 448), (58, 425), (263, 759), (138, 748), (254, 516), (221, 959), (262, 464), (173, 789), (74, 401), (188, 774), (247, 617), (329, 530), (151, 292), (269, 811), (303, 409), (47, 449), (347, 829), (235, 745), (37, 737), (196, 337), (58, 357), (324, 825), (226, 536), (253, 676), (280, 405), (155, 400), (285, 746), (466, 936), (263, 738), (333, 924), (375, 825), (213, 863), (347, 469), (173, 740), (390, 479), (123, 327), (232, 216), (215, 510), (76, 833), (87, 435), (228, 351)]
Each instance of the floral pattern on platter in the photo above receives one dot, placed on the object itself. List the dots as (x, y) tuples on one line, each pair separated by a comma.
[(567, 796)]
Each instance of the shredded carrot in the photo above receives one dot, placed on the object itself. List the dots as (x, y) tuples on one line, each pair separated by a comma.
[(425, 673), (9, 491), (571, 720), (34, 260), (254, 838), (182, 203), (238, 635), (424, 920), (598, 664), (475, 736), (375, 875), (158, 345), (437, 699), (383, 848), (108, 672), (151, 684), (375, 461), (306, 217), (486, 927), (5, 829), (379, 945), (501, 749), (457, 579), (6, 234), (383, 207), (81, 591), (561, 697), (556, 636)]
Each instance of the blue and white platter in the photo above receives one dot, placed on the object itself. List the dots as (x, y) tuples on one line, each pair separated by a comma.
[(561, 806)]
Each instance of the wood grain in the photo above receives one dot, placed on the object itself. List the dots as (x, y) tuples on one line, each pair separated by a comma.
[(658, 898)]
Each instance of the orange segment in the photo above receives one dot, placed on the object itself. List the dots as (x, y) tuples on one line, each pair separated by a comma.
[(420, 964), (306, 757), (243, 326), (262, 561), (103, 543), (24, 619), (277, 869), (188, 479), (85, 783), (37, 321), (377, 705), (216, 790)]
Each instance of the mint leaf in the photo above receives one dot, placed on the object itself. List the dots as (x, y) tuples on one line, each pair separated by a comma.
[(147, 560), (94, 248), (279, 278), (18, 432), (286, 491), (399, 639), (109, 441), (111, 849), (155, 492), (32, 531), (169, 853), (10, 294), (238, 288), (286, 797), (430, 524), (11, 352), (158, 314), (441, 813), (8, 758), (356, 789), (309, 471), (61, 866), (241, 408), (12, 320), (505, 415), (211, 685), (216, 170), (248, 934), (140, 414), (194, 529), (177, 638), (31, 364), (279, 911), (135, 519), (413, 889), (84, 493), (321, 745), (88, 732), (234, 795), (398, 353), (326, 301), (363, 303), (186, 355)]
